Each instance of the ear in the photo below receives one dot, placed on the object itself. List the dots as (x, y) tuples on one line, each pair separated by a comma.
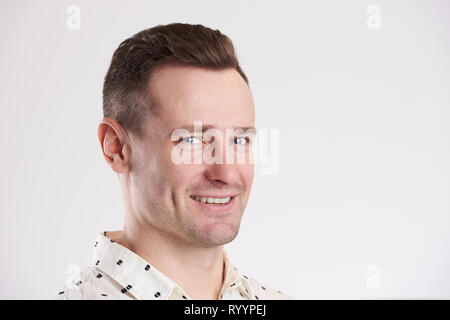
[(114, 144)]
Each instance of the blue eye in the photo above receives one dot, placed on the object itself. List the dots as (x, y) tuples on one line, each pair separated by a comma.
[(190, 140), (241, 140)]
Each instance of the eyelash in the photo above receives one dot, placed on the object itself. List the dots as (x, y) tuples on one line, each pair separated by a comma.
[(247, 139), (182, 138)]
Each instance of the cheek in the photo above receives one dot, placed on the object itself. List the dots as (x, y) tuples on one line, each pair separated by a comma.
[(248, 172), (182, 176)]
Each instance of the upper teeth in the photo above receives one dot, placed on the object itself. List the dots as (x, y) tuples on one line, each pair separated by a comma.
[(212, 200)]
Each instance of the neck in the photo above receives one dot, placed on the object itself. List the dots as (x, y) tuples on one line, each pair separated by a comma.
[(198, 271)]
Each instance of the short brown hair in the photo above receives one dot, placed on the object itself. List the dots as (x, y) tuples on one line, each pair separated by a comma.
[(125, 95)]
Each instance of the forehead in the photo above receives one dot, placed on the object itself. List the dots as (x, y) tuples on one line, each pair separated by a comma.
[(184, 94)]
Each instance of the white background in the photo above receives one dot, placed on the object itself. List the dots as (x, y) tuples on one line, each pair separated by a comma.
[(364, 118)]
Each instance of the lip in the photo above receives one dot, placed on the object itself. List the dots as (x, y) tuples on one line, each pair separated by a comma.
[(216, 207), (213, 196)]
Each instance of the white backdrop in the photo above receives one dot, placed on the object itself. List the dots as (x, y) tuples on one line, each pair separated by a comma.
[(359, 90)]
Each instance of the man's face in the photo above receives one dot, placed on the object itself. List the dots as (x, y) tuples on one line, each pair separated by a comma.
[(162, 193)]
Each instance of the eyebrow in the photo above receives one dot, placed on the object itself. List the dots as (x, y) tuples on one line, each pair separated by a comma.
[(206, 127)]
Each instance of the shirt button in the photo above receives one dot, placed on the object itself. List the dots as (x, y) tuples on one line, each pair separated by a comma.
[(157, 294)]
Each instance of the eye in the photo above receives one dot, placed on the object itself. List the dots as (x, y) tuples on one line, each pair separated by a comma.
[(241, 140), (190, 140)]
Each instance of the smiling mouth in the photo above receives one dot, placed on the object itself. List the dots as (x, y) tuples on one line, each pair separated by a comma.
[(212, 200)]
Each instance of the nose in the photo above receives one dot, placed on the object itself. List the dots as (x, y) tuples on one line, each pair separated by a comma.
[(222, 174)]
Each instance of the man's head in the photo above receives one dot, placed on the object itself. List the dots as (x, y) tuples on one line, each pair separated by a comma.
[(160, 80)]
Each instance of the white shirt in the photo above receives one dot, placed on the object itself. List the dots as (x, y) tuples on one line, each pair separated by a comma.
[(118, 273)]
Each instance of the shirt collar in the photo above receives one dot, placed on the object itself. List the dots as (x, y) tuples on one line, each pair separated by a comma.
[(137, 276)]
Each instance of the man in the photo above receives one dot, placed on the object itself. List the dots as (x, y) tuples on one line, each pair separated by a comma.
[(178, 215)]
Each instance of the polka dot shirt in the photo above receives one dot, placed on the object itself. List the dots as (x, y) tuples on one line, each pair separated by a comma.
[(118, 273)]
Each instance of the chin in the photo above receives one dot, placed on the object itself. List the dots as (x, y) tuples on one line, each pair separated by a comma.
[(214, 238)]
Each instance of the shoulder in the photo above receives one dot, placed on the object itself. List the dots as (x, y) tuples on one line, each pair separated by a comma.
[(87, 284), (264, 292)]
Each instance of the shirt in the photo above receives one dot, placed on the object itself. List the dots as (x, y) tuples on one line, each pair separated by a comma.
[(118, 273)]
